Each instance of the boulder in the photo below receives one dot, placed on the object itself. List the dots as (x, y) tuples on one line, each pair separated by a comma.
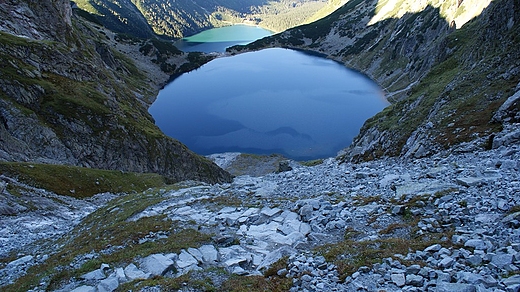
[(108, 285), (133, 273), (209, 254), (185, 260), (157, 264)]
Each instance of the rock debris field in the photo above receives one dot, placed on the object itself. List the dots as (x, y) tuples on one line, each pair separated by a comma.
[(449, 222)]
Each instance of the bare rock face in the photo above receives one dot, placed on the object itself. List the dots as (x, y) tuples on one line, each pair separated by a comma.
[(66, 97), (37, 19)]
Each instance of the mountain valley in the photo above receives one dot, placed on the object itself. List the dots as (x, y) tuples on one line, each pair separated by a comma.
[(94, 197)]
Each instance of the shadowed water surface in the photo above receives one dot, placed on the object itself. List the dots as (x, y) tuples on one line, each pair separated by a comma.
[(270, 101)]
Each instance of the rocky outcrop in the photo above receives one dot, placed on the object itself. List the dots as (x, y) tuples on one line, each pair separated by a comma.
[(68, 98), (37, 19)]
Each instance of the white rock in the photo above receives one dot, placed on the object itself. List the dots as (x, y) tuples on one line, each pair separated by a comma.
[(185, 260), (108, 285), (20, 261), (94, 275), (398, 279), (157, 264), (209, 254), (119, 273), (196, 254), (270, 212), (133, 273), (476, 244)]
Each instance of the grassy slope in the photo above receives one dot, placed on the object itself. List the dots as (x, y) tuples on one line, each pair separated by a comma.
[(460, 94), (79, 182)]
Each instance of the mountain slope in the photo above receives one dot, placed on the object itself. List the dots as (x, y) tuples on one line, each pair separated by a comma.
[(446, 80), (67, 97), (176, 19)]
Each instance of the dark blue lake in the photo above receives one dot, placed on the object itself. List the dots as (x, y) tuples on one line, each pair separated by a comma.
[(271, 101)]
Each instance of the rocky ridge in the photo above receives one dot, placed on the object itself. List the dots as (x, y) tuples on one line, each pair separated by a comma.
[(449, 222), (68, 97), (445, 76)]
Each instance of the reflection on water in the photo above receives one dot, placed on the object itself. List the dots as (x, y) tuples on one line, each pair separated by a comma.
[(271, 101)]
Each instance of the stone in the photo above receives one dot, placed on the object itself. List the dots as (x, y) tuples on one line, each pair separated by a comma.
[(20, 261), (489, 281), (157, 264), (470, 181), (271, 212), (185, 260), (85, 288), (133, 273), (108, 285), (433, 248), (513, 280), (455, 287), (413, 269), (398, 210), (94, 275), (209, 254), (502, 260), (196, 254), (275, 255), (470, 278), (446, 262), (474, 260), (398, 279), (476, 244), (414, 280)]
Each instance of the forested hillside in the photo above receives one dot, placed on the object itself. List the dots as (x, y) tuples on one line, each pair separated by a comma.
[(176, 19)]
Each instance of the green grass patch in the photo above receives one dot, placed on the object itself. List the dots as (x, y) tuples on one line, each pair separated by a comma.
[(80, 182), (256, 284), (311, 162)]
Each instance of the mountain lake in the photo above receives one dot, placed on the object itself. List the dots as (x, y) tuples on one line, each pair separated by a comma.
[(275, 100), (218, 39)]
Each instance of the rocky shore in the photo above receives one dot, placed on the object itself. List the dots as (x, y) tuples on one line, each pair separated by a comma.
[(449, 222)]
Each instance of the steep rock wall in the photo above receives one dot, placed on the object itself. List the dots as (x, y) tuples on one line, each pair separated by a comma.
[(67, 97)]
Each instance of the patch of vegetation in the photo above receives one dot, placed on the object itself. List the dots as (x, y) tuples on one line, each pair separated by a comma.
[(365, 200), (80, 182), (256, 284), (255, 164), (349, 255), (231, 201), (276, 266), (311, 162), (191, 280), (114, 239)]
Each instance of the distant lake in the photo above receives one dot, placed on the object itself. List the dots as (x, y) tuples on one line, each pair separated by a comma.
[(218, 39), (271, 101)]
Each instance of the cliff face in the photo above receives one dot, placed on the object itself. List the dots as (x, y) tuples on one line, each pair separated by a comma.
[(445, 75), (67, 97)]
